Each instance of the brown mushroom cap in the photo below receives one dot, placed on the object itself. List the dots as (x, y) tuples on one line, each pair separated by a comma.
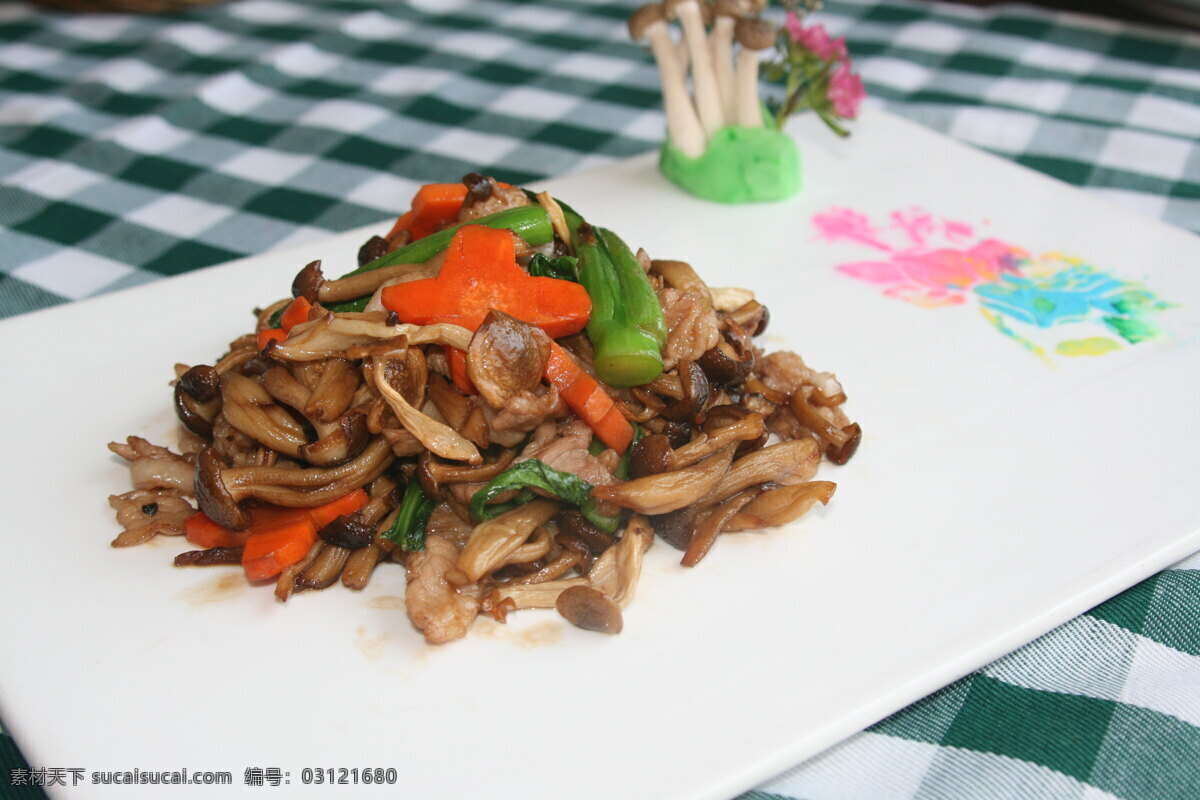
[(641, 20), (197, 417), (727, 364), (308, 281), (755, 33), (372, 249), (587, 608), (479, 187), (201, 382), (212, 495), (678, 433), (651, 455)]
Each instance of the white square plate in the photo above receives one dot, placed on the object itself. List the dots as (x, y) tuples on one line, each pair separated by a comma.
[(996, 494)]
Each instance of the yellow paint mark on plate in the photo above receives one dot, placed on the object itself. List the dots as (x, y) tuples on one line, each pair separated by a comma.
[(1092, 346)]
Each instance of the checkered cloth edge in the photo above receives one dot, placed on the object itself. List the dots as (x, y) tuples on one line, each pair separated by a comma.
[(132, 148), (1106, 706), (137, 147)]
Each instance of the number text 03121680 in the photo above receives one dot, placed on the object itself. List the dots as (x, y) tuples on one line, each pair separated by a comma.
[(343, 775)]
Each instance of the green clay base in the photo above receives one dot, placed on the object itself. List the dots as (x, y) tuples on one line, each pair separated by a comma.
[(741, 165)]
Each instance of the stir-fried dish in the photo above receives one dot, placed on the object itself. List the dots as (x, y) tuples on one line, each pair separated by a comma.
[(503, 399)]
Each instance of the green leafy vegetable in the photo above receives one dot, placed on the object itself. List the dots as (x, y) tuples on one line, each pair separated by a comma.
[(408, 529), (535, 474), (563, 267)]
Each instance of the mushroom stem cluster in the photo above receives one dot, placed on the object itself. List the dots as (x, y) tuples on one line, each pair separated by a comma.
[(724, 86)]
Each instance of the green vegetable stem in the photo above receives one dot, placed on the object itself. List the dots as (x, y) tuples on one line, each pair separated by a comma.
[(626, 326)]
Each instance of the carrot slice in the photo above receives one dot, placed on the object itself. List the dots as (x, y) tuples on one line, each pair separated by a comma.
[(295, 313), (346, 504), (480, 273), (266, 517), (268, 335), (437, 204), (457, 360), (270, 552), (275, 534), (587, 398), (434, 207), (201, 531)]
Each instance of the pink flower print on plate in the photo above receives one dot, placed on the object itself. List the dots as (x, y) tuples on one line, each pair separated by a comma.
[(934, 263)]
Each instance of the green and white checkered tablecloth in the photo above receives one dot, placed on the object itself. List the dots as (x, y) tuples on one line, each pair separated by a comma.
[(133, 148)]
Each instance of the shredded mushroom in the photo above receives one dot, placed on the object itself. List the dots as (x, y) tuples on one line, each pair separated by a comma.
[(492, 542), (615, 575), (438, 437), (669, 491), (333, 334)]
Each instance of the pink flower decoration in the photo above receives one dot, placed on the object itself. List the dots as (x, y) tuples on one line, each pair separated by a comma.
[(794, 26), (815, 39), (839, 49), (845, 92)]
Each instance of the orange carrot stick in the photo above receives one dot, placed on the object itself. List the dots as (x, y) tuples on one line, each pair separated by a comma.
[(587, 398)]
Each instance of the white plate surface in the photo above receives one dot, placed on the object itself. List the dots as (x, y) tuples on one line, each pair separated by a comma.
[(996, 495)]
